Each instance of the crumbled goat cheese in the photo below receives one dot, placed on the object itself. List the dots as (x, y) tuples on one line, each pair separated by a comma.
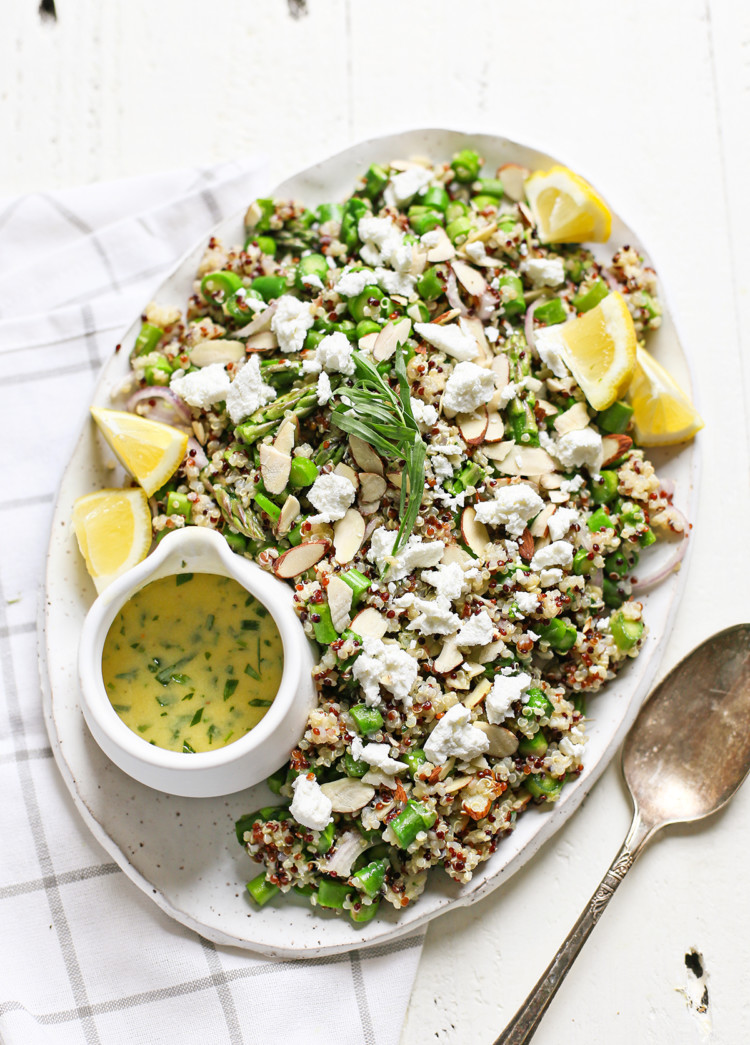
[(378, 755), (560, 522), (548, 342), (441, 467), (477, 631), (331, 495), (353, 283), (424, 414), (451, 579), (383, 244), (505, 690), (526, 601), (400, 283), (559, 553), (290, 323), (509, 392), (572, 485), (356, 748), (573, 744), (581, 449), (413, 555), (311, 280), (323, 389), (544, 272), (310, 807), (334, 354), (476, 251), (408, 183), (455, 736), (549, 577), (387, 665), (248, 392), (451, 339), (468, 387), (203, 387), (430, 239), (435, 615), (512, 506), (492, 334)]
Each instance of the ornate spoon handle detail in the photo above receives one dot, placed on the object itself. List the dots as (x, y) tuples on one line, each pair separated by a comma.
[(521, 1028)]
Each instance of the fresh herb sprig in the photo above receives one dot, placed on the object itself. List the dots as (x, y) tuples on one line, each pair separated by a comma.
[(374, 412)]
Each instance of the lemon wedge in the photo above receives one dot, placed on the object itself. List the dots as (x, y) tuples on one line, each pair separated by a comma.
[(566, 208), (662, 413), (149, 450), (599, 349), (113, 528)]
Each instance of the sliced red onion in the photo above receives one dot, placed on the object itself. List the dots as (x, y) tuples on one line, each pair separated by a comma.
[(370, 528), (487, 305), (597, 577), (664, 571), (612, 282), (528, 323), (199, 457), (261, 322), (451, 293), (161, 404), (667, 487)]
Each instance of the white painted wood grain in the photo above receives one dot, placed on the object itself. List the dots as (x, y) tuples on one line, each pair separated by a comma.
[(651, 101)]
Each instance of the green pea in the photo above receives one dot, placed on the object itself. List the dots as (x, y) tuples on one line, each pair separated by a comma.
[(367, 304), (303, 472), (466, 164)]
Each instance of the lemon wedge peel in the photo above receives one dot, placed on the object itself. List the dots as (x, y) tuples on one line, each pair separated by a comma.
[(566, 208), (149, 450), (599, 348), (113, 529), (663, 415)]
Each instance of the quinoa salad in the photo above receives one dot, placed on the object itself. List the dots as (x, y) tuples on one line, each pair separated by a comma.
[(381, 413)]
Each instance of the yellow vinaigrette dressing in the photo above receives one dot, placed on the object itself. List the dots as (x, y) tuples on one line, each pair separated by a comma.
[(192, 662)]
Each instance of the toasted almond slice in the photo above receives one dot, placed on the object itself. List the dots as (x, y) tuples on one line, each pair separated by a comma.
[(497, 452), (450, 657), (495, 427), (396, 479), (456, 784), (614, 446), (369, 624), (373, 486), (473, 426), (550, 481), (286, 436), (368, 508), (547, 407), (274, 468), (484, 234), (446, 317), (539, 526), (299, 559), (474, 326), (479, 692), (289, 511), (418, 260), (443, 249), (526, 546), (262, 342), (220, 350), (364, 455), (502, 741), (394, 333), (473, 532), (489, 653), (501, 368), (347, 473), (348, 534), (347, 794), (513, 177), (526, 460), (367, 343), (340, 597), (572, 420), (471, 280), (455, 553)]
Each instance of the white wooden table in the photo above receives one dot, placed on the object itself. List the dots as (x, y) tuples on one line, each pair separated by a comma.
[(650, 101)]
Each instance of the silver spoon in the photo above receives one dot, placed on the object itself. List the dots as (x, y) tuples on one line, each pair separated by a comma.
[(686, 754)]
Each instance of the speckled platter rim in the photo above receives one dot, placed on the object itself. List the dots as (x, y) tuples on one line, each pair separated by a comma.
[(181, 852)]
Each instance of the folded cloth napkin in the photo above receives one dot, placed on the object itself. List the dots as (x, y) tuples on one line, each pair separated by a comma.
[(85, 957)]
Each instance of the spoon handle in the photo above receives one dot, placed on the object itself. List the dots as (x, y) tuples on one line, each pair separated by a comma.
[(525, 1022)]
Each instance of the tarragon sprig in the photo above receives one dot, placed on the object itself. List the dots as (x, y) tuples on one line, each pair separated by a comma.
[(374, 412)]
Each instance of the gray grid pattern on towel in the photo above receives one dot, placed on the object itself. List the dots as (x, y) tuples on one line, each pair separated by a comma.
[(85, 956)]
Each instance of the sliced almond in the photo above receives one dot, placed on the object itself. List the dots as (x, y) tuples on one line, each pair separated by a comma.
[(457, 784), (373, 486), (572, 420), (348, 473), (394, 333), (526, 460), (299, 559), (289, 511), (286, 436), (473, 426), (471, 280), (550, 481), (418, 260), (347, 794), (368, 508), (495, 427), (369, 623), (396, 479), (446, 317), (340, 597), (479, 692), (473, 532), (443, 249), (502, 741), (274, 468), (473, 325), (614, 446), (364, 455), (455, 553), (206, 353), (526, 546), (489, 653), (348, 534), (262, 342), (367, 343), (513, 178), (450, 657), (497, 452), (539, 526), (501, 368), (546, 407)]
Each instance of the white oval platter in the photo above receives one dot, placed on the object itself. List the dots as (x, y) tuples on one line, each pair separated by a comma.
[(182, 852)]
